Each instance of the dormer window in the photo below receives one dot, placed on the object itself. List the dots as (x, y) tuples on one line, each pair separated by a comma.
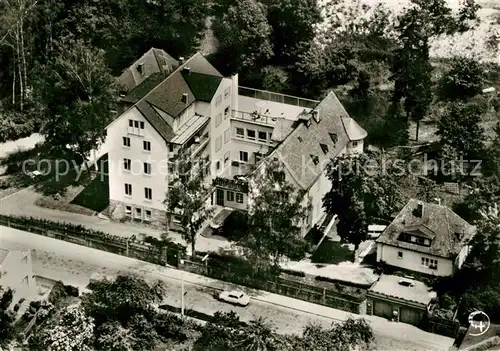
[(324, 147), (140, 68), (334, 138), (315, 159)]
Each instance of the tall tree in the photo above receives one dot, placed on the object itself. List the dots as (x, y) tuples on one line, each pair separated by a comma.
[(78, 94), (463, 80), (188, 196), (365, 189), (411, 67), (293, 25), (244, 36), (460, 132), (276, 212)]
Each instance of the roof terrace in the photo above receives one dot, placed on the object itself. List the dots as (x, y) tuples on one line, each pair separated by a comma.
[(265, 107)]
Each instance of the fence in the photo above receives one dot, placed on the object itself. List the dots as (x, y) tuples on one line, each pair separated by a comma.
[(159, 254), (281, 286)]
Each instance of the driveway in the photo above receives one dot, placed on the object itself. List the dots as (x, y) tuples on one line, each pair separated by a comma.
[(22, 203), (75, 264)]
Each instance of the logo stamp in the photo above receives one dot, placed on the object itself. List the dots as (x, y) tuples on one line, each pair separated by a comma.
[(479, 323)]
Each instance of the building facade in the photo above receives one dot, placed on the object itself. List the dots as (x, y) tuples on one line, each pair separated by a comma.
[(16, 273), (229, 128), (426, 238)]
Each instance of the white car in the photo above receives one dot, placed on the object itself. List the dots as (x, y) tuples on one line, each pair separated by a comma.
[(235, 297)]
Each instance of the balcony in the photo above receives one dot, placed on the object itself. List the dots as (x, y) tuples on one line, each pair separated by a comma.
[(198, 145), (254, 117), (276, 97), (236, 185)]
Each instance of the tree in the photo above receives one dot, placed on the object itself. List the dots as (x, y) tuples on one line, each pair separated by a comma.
[(461, 134), (244, 33), (463, 80), (293, 25), (187, 197), (411, 67), (274, 79), (275, 215), (111, 336), (72, 330), (364, 190), (258, 335), (78, 94), (348, 335), (121, 299), (6, 317)]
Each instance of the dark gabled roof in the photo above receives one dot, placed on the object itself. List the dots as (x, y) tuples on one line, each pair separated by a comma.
[(144, 88), (438, 222), (203, 86), (158, 123), (167, 96), (299, 147)]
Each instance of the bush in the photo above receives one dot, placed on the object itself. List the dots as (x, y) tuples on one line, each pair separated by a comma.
[(464, 79), (16, 307), (292, 272), (58, 293), (71, 290)]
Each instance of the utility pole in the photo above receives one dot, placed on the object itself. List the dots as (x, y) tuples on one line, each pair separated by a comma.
[(182, 290)]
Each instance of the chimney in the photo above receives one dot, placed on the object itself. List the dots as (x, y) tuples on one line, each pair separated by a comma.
[(420, 210), (234, 91), (181, 60), (186, 70), (184, 98)]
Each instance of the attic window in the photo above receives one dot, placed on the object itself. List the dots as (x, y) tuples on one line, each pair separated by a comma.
[(334, 138), (315, 159), (458, 236), (324, 147), (140, 68)]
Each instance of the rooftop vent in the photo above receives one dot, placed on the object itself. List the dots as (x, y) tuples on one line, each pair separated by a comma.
[(406, 283), (184, 98)]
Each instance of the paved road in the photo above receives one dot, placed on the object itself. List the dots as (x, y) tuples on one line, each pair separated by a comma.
[(74, 264), (22, 203)]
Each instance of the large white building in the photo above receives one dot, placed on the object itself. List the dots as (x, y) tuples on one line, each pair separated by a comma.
[(188, 105)]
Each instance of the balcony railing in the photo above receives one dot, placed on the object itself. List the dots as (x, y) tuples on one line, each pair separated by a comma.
[(276, 97), (237, 185), (194, 149), (254, 117)]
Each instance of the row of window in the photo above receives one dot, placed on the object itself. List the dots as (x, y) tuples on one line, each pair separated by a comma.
[(148, 192), (218, 141), (135, 127), (127, 165), (230, 197), (218, 118), (138, 213), (146, 145), (218, 99), (253, 135), (426, 261)]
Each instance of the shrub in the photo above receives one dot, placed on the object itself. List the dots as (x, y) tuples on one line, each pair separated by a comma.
[(71, 290), (58, 293), (464, 79)]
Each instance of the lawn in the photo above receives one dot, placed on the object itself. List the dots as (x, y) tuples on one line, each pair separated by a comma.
[(95, 196), (332, 252)]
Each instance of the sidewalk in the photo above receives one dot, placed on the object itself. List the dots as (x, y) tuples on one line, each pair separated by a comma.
[(22, 203), (75, 264)]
